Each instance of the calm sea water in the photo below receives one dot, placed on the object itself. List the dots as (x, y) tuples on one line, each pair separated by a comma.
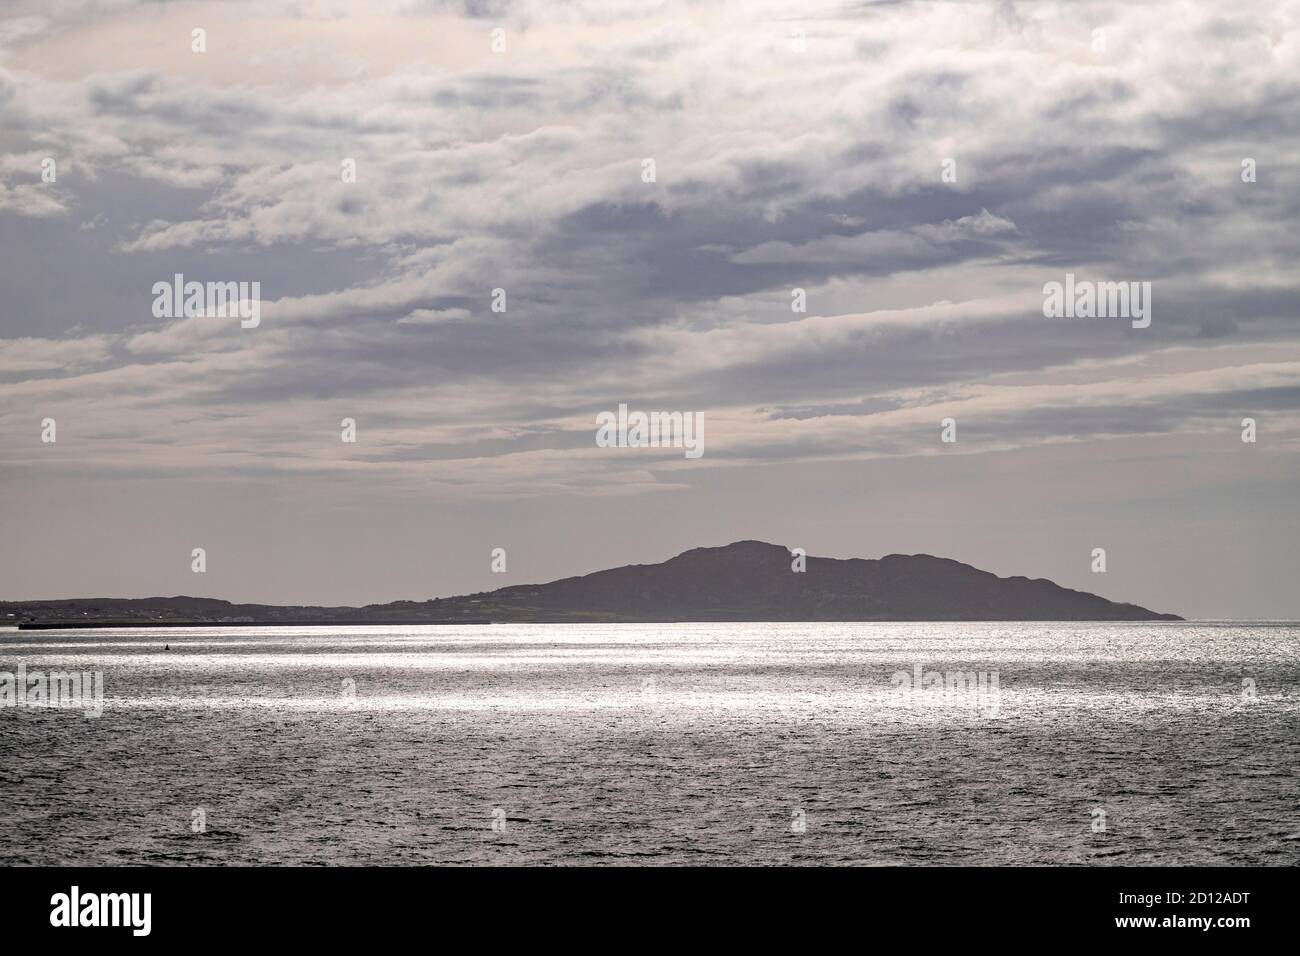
[(660, 744)]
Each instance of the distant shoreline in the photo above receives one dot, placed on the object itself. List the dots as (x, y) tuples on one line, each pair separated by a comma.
[(745, 581), (101, 625)]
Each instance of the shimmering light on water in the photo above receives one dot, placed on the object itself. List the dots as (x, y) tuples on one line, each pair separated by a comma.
[(659, 744)]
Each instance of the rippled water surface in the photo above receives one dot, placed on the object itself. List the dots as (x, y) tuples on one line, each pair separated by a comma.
[(752, 743)]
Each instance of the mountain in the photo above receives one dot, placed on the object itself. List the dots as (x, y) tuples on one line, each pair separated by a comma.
[(744, 581), (753, 581)]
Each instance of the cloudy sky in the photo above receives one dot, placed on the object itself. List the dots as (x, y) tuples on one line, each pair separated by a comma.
[(795, 145)]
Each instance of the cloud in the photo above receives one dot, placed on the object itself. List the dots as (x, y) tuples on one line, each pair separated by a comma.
[(30, 355), (775, 168), (434, 316)]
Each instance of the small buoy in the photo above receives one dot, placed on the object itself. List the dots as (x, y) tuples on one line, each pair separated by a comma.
[(167, 647)]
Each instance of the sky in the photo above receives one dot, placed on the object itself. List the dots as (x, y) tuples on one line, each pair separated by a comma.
[(656, 189)]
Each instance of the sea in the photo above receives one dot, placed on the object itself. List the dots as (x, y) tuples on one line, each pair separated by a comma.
[(661, 744)]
